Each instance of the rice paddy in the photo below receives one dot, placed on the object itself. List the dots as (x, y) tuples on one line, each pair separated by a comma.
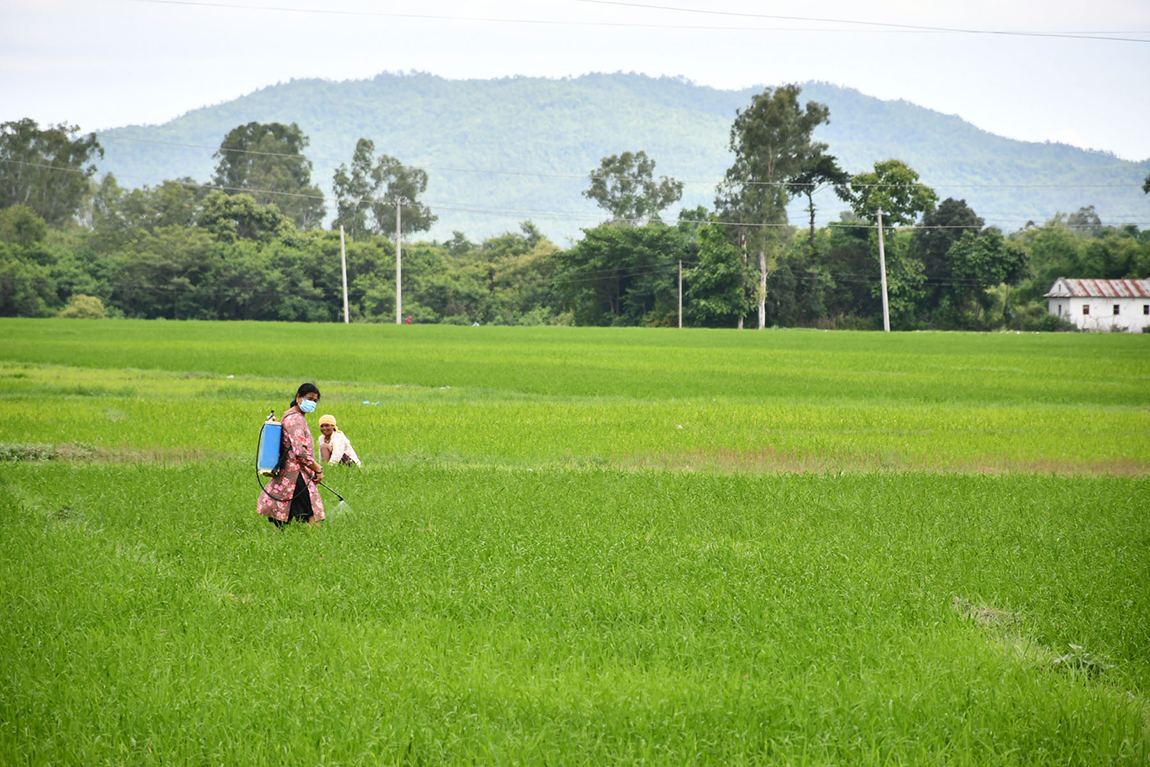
[(578, 546)]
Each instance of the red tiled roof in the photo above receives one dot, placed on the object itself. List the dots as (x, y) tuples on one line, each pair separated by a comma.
[(1100, 288)]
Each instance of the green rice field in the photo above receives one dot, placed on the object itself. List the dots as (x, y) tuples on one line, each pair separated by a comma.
[(577, 546)]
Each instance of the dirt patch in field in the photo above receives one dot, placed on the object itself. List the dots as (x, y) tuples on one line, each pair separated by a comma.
[(167, 455), (769, 461), (79, 452), (1111, 467), (765, 460), (720, 460), (990, 617)]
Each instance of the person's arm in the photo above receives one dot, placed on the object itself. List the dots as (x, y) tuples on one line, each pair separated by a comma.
[(315, 467), (339, 446)]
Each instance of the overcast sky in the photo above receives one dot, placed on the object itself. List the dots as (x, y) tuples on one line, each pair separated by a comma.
[(106, 63)]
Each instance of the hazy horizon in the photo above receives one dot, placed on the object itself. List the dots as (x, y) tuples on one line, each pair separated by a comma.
[(1030, 70)]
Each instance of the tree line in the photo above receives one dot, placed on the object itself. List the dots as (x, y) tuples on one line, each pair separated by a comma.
[(250, 244)]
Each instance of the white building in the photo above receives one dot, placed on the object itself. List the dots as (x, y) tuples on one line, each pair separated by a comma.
[(1102, 305)]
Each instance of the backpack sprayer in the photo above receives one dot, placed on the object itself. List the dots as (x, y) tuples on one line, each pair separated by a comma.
[(270, 456)]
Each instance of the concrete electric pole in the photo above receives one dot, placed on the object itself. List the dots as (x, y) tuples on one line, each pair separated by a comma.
[(882, 275), (399, 202), (343, 266)]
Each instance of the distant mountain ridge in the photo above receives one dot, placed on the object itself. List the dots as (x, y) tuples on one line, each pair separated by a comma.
[(503, 151)]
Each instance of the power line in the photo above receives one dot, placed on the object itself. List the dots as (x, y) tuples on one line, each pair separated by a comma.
[(591, 276), (582, 277), (289, 155), (745, 224), (491, 19), (553, 214), (442, 168), (857, 22), (667, 269), (870, 26)]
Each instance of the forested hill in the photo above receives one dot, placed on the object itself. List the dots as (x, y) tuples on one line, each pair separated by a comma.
[(482, 141)]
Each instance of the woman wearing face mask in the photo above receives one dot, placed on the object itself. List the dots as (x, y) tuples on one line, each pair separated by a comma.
[(294, 495)]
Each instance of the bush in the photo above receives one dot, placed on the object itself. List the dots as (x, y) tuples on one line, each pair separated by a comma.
[(540, 315), (854, 322), (1034, 318), (456, 319), (82, 307), (1048, 323)]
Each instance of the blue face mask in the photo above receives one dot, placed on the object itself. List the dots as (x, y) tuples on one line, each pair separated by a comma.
[(307, 405)]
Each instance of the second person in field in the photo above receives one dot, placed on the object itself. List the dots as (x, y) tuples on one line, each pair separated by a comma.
[(334, 446)]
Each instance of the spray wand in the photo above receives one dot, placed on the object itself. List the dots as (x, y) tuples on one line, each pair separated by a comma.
[(325, 487)]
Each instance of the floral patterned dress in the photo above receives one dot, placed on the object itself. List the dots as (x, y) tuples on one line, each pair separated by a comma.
[(297, 441)]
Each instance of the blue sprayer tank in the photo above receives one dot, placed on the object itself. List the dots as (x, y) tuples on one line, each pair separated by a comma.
[(268, 454)]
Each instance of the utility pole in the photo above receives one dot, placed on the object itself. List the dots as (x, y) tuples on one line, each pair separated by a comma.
[(343, 265), (882, 274), (398, 261), (680, 293), (743, 279)]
